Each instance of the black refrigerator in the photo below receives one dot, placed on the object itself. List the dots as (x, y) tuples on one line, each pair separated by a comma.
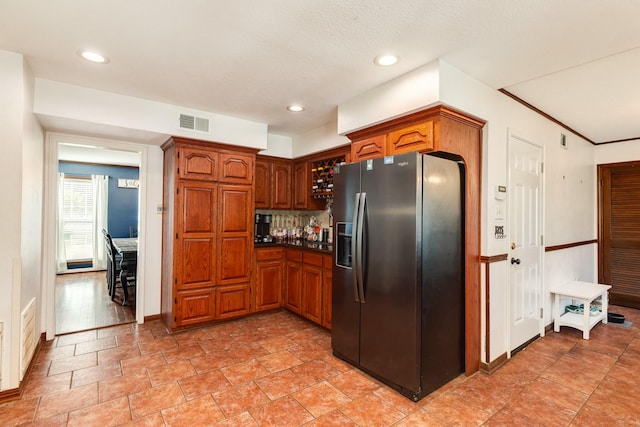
[(398, 272)]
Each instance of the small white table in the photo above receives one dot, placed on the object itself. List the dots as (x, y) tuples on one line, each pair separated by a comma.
[(585, 293)]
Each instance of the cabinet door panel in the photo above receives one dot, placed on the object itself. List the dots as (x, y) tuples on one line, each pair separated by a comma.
[(194, 306), (195, 237), (293, 287), (236, 209), (236, 168), (235, 260), (198, 164), (198, 207), (281, 185), (197, 263), (368, 148), (262, 195), (268, 285), (232, 301), (312, 293), (413, 138)]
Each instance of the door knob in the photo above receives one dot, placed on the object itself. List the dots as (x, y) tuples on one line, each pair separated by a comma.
[(515, 261)]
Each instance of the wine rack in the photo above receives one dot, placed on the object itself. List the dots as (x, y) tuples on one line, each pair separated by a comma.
[(322, 177)]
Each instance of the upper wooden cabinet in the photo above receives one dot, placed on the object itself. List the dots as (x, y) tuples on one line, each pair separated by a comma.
[(262, 192), (273, 183), (281, 188), (396, 139), (197, 164), (368, 148), (236, 168), (302, 199), (418, 137)]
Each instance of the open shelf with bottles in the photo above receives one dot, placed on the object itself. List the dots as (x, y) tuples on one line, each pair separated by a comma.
[(322, 177)]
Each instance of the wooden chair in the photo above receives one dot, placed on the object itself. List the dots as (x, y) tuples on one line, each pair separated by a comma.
[(113, 266)]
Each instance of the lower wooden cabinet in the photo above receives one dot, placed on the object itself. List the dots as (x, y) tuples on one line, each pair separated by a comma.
[(269, 278), (327, 285), (232, 301), (294, 278), (311, 293), (194, 306), (293, 281)]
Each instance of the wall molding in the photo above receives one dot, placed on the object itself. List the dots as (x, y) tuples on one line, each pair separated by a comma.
[(570, 245), (487, 300), (15, 393), (491, 367)]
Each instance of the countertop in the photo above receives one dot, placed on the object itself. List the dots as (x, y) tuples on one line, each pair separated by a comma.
[(314, 246)]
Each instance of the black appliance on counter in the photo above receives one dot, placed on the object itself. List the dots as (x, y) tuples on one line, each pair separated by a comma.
[(398, 273), (261, 228)]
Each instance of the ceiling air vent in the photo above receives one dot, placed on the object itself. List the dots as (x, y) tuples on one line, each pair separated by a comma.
[(190, 122)]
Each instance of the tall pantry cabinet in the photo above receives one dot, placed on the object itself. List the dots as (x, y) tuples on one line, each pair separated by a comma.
[(206, 232)]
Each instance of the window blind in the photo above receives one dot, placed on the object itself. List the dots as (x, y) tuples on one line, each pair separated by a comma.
[(78, 218)]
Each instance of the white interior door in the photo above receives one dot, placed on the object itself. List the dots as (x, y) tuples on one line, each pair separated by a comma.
[(525, 230)]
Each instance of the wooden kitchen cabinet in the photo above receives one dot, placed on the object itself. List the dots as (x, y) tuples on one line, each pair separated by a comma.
[(206, 232), (233, 301), (197, 164), (368, 148), (194, 306), (396, 140), (417, 137), (311, 306), (302, 188), (236, 168), (327, 284), (293, 280), (274, 183), (235, 219), (262, 191), (281, 185), (269, 278)]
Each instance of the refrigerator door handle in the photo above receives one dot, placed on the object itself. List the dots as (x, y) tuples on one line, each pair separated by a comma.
[(354, 247), (360, 253)]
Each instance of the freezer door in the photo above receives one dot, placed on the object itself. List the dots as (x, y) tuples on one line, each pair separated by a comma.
[(389, 335), (345, 324)]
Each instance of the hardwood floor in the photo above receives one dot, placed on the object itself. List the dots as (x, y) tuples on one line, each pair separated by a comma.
[(83, 302)]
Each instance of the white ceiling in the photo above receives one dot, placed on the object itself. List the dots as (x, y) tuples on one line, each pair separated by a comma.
[(576, 60)]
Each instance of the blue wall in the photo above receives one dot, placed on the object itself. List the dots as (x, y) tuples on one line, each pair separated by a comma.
[(123, 202)]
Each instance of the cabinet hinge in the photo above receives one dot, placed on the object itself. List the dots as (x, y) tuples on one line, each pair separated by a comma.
[(175, 300), (175, 318), (175, 280), (176, 236), (177, 191), (178, 154), (541, 313)]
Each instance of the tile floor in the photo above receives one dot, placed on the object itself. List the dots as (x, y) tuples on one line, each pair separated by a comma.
[(276, 369)]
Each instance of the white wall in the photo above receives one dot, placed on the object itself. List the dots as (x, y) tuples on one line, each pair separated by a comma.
[(318, 139), (278, 146), (153, 231), (77, 103), (619, 152), (21, 195)]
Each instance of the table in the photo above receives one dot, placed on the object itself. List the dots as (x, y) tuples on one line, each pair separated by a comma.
[(585, 293), (128, 248)]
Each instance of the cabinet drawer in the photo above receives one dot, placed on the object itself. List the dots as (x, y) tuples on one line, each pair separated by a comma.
[(264, 254), (418, 137), (312, 258), (293, 254), (327, 262)]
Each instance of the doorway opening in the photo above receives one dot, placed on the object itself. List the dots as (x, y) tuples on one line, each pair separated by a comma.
[(79, 215)]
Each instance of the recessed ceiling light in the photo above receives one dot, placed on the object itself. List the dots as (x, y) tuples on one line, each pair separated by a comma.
[(295, 108), (385, 60), (94, 57)]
